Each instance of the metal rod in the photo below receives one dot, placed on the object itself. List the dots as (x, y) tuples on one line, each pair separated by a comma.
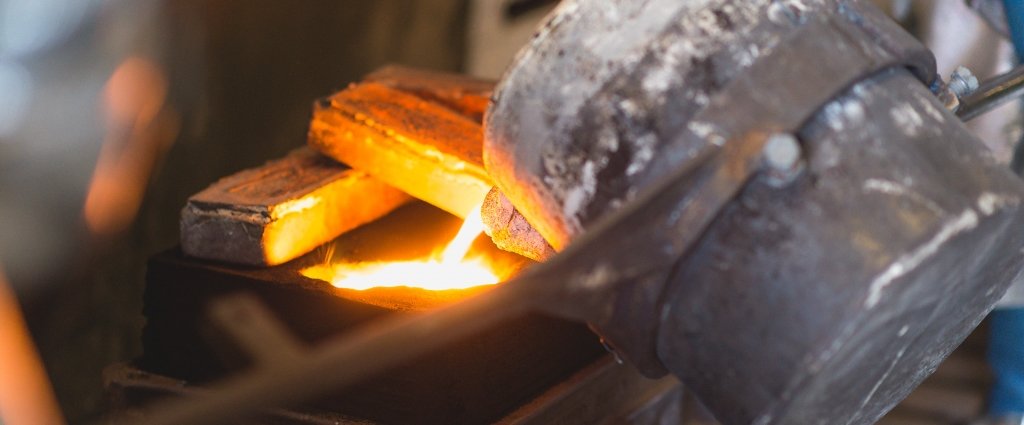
[(133, 380), (992, 93), (252, 326), (347, 360)]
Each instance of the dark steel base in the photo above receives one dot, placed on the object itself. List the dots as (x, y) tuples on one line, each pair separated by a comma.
[(479, 379)]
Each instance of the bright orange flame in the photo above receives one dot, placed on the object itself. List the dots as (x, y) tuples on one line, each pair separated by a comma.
[(448, 270), (459, 246)]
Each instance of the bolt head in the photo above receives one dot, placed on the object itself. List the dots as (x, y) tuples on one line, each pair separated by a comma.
[(782, 152), (783, 159), (962, 82)]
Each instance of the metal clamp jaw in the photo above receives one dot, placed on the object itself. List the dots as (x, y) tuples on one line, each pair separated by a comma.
[(620, 292)]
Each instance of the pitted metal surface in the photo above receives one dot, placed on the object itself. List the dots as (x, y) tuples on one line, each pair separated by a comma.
[(567, 150), (639, 71), (855, 281)]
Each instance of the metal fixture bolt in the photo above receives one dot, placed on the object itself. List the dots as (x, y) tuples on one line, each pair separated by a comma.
[(782, 156), (962, 82)]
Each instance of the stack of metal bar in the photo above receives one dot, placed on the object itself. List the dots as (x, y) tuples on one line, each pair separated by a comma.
[(416, 131)]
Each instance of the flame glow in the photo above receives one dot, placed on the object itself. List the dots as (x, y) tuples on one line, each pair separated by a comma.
[(449, 269)]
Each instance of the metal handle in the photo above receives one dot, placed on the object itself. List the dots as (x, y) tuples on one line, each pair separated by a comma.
[(992, 93)]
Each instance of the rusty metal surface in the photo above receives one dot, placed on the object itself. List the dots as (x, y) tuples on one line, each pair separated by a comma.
[(510, 231)]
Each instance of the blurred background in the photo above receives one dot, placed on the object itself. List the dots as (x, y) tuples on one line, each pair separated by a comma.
[(113, 112)]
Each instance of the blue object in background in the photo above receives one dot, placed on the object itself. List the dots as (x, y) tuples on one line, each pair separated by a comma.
[(1006, 340), (1015, 20), (1006, 357)]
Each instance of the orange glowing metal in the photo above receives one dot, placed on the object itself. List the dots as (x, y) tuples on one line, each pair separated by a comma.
[(459, 246), (450, 269)]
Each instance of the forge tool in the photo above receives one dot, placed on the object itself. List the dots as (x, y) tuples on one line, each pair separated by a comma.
[(764, 199)]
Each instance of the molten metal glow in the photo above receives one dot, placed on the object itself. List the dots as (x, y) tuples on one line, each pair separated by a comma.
[(450, 269), (459, 246)]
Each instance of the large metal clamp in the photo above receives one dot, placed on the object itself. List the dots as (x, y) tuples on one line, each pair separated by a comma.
[(749, 129)]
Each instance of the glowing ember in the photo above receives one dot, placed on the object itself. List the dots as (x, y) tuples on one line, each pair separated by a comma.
[(449, 269)]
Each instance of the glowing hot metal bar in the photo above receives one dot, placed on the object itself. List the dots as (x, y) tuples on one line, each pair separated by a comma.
[(422, 148), (271, 214)]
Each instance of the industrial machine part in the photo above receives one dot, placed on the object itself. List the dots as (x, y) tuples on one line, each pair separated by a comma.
[(991, 94), (824, 301), (763, 198)]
